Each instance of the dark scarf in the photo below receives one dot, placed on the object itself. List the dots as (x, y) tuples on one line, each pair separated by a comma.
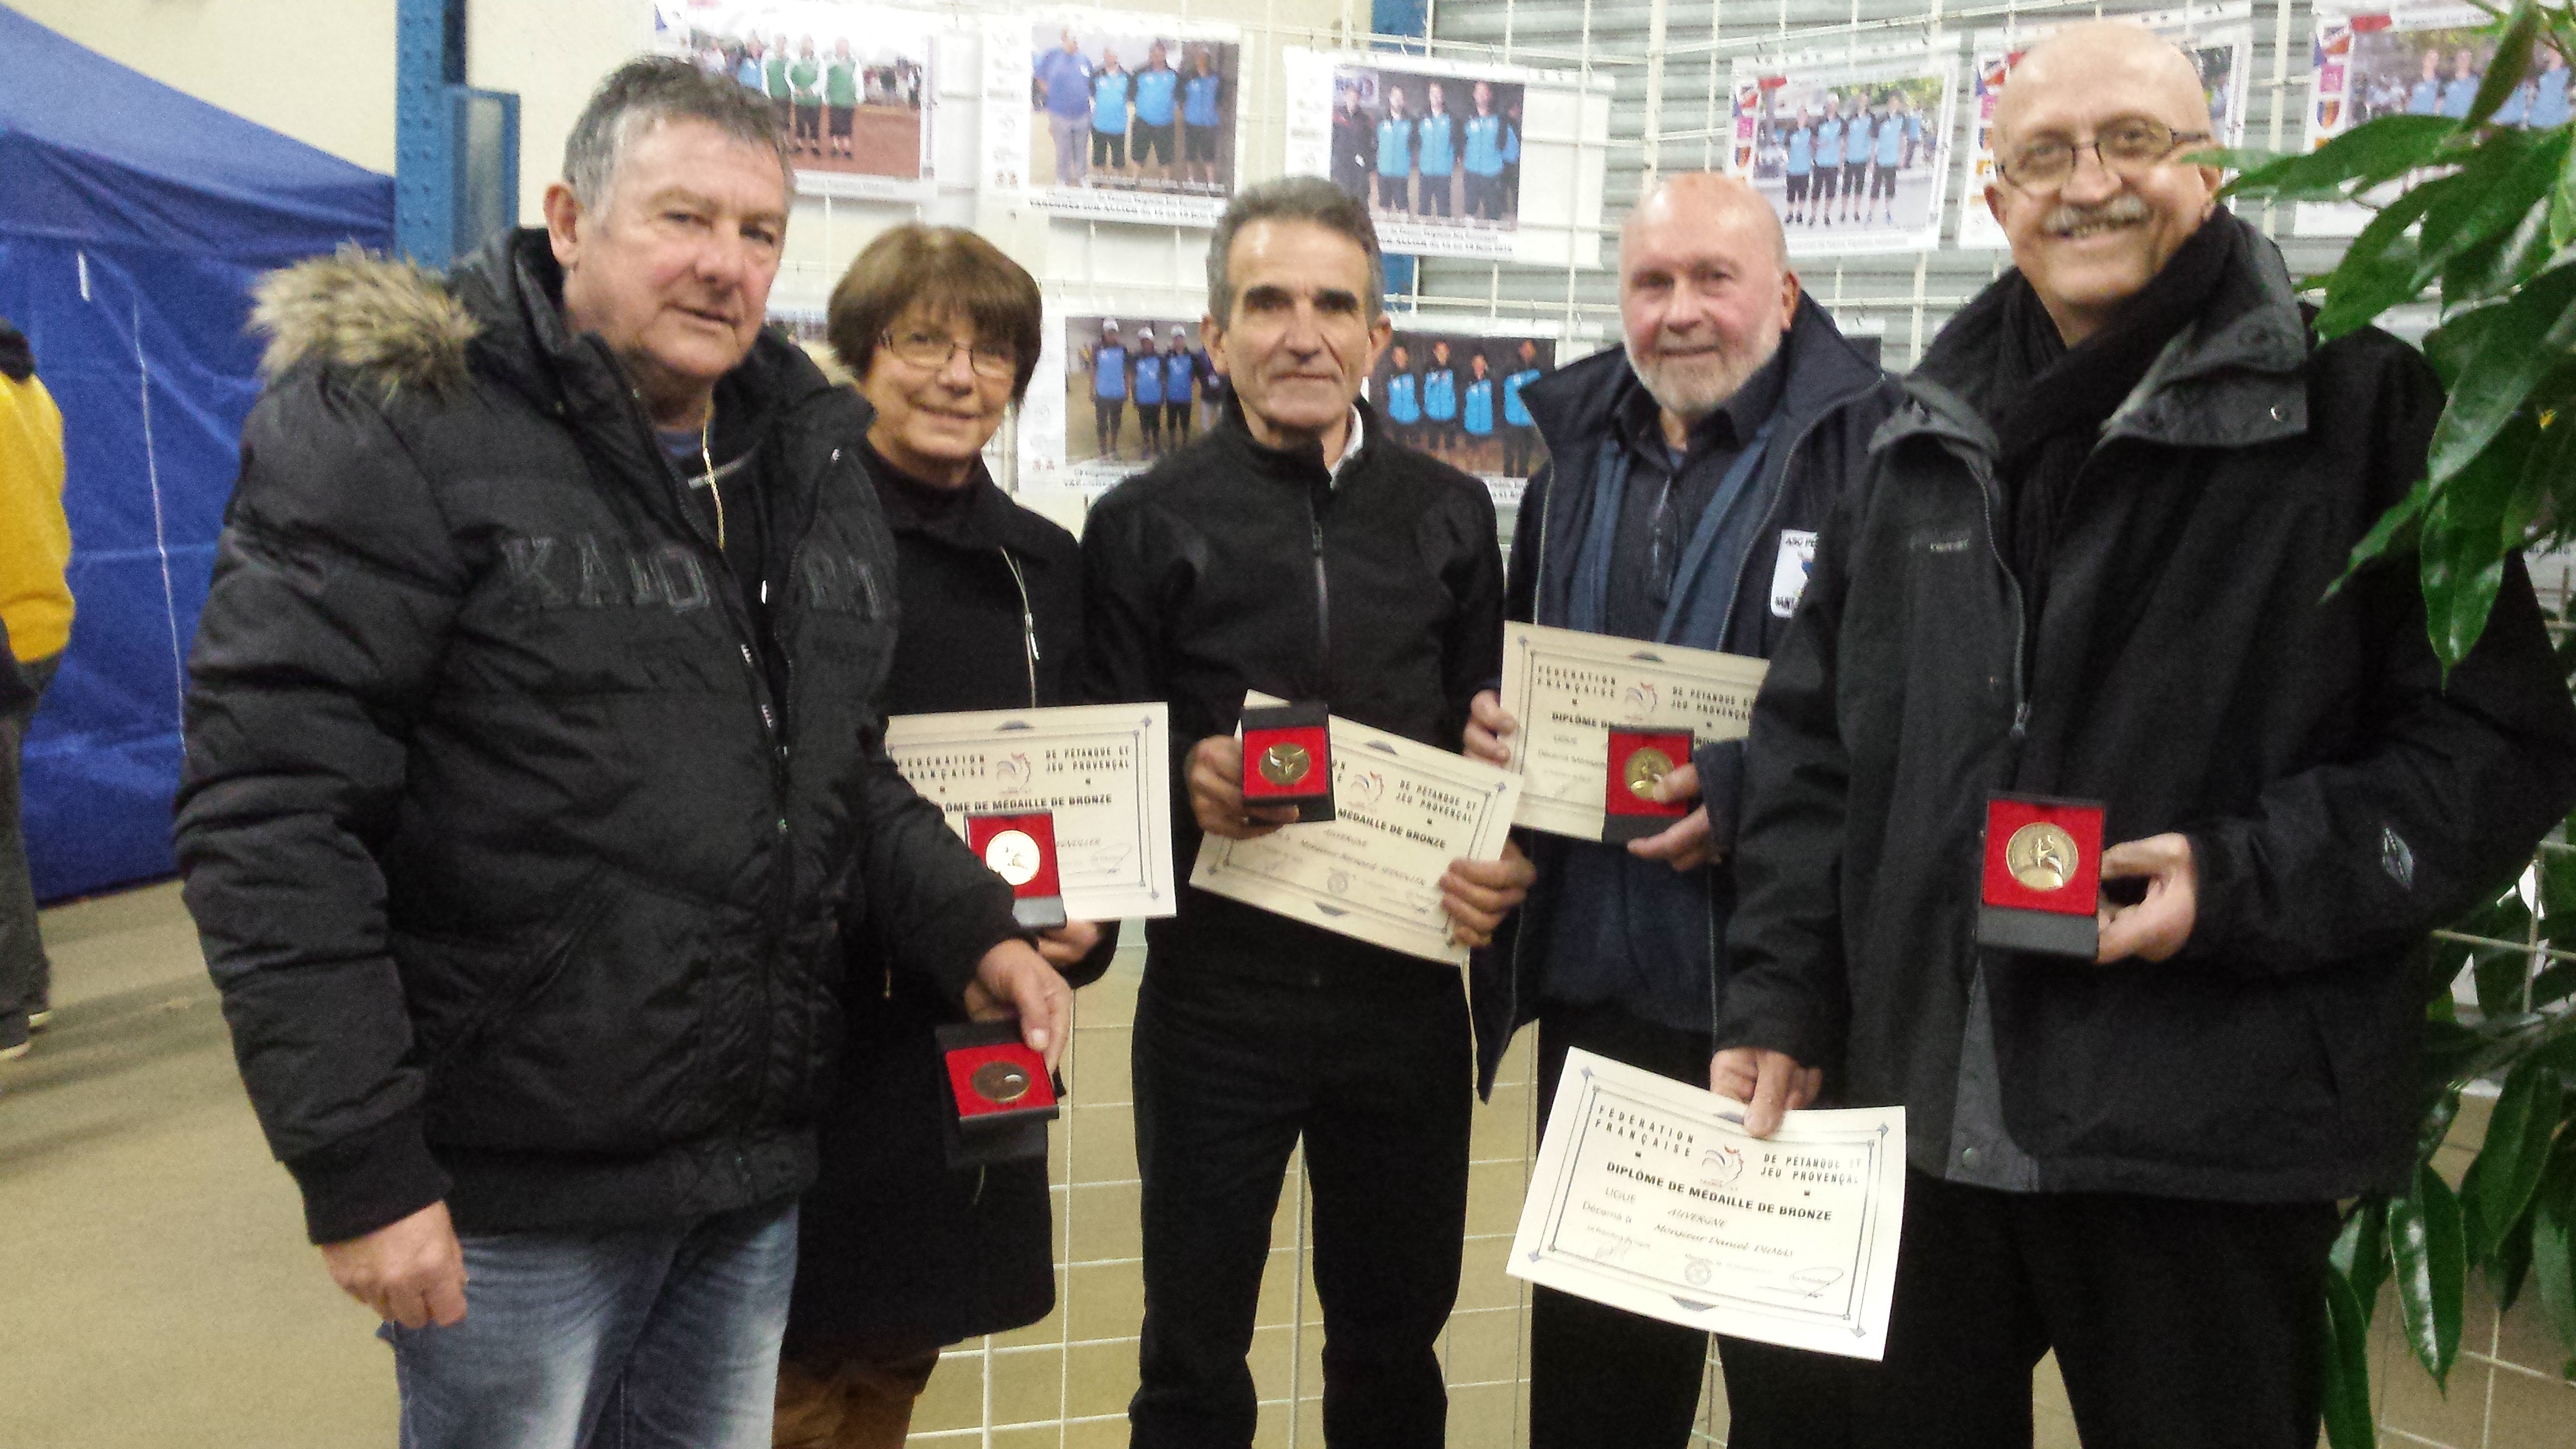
[(2050, 401)]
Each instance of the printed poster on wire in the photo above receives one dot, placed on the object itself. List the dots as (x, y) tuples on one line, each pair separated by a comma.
[(1850, 146), (1112, 116)]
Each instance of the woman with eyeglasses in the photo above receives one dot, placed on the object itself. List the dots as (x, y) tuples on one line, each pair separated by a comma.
[(899, 1254)]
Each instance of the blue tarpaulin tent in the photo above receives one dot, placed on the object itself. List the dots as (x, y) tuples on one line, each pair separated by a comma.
[(133, 220)]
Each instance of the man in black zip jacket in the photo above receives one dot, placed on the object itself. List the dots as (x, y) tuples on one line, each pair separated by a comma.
[(2089, 559), (1717, 437), (531, 771), (1295, 549)]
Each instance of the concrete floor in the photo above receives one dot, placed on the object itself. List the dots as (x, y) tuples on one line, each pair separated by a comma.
[(158, 1288)]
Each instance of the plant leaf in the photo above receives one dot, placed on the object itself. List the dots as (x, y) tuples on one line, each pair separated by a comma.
[(2512, 58), (2365, 156), (2379, 269), (2529, 336), (2349, 1424), (2360, 1253), (2476, 204), (2430, 1248), (2517, 1146), (2562, 205), (2462, 541), (2504, 239), (2553, 1245)]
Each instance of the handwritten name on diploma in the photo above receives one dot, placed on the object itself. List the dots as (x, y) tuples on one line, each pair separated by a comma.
[(1649, 1196)]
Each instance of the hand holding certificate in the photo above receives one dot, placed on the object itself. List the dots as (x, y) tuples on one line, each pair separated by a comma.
[(1074, 801), (1402, 812), (1589, 703), (1649, 1196)]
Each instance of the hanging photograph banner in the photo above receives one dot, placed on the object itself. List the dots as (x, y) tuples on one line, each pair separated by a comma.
[(1451, 386), (1454, 160), (1112, 394), (1852, 146), (2219, 40), (1113, 116), (853, 85), (2410, 60)]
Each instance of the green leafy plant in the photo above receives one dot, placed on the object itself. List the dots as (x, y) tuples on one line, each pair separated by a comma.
[(2482, 217)]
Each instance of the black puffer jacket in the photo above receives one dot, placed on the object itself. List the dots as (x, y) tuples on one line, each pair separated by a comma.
[(1230, 566), (520, 872), (2188, 671)]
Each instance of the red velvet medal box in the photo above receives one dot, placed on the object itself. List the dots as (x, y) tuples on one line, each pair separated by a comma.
[(1003, 1094), (1288, 759), (2040, 887), (1638, 761)]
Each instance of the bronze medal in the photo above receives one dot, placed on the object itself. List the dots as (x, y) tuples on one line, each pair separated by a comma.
[(1285, 763), (1646, 770), (1002, 1082), (2042, 856)]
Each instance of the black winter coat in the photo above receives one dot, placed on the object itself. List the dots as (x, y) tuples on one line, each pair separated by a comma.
[(2190, 672), (1230, 566), (893, 1245), (519, 870), (1831, 400)]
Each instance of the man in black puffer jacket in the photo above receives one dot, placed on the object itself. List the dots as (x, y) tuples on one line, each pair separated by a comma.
[(1297, 550), (531, 768), (2090, 559)]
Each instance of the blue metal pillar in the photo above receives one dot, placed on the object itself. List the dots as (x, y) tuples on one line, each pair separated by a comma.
[(429, 56), (1406, 20)]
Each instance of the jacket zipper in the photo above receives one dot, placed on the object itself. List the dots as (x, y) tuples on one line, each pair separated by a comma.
[(1323, 606), (1983, 472), (1028, 624)]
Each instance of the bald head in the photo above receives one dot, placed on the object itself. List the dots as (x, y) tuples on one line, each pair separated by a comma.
[(1699, 199), (1705, 292), (2091, 187), (2100, 54)]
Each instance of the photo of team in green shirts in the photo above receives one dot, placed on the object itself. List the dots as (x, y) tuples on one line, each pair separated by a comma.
[(1150, 113), (851, 85), (1457, 396), (1428, 147)]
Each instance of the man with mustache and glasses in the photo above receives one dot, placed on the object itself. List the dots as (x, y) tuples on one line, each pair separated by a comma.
[(2090, 559), (1688, 475), (533, 776), (1298, 550)]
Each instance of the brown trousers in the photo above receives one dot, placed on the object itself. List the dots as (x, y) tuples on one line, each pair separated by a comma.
[(861, 1399)]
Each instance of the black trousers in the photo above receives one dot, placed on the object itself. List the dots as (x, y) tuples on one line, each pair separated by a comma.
[(1605, 1378), (1229, 1074), (2177, 1324)]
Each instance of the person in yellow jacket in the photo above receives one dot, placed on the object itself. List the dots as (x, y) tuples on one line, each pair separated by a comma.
[(35, 624)]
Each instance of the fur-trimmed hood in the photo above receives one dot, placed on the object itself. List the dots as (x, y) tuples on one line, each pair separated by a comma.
[(376, 315)]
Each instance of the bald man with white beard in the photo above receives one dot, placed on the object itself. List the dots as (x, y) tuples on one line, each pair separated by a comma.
[(2089, 560), (1690, 471)]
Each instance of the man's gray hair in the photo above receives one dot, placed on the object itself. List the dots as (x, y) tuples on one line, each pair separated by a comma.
[(645, 93), (1293, 198)]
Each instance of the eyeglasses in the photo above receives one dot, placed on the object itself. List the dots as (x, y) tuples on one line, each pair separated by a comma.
[(930, 351), (2124, 147)]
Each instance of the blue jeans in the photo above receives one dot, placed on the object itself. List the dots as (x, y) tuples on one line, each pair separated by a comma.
[(661, 1337)]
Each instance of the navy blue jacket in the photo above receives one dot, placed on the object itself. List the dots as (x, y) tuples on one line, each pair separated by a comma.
[(1831, 400)]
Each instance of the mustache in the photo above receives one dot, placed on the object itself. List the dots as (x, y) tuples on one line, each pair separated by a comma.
[(2119, 210)]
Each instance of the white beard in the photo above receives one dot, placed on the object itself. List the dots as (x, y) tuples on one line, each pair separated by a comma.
[(1693, 388)]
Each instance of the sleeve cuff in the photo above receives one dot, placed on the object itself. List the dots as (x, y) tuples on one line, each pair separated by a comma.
[(946, 952), (1721, 788), (367, 1181)]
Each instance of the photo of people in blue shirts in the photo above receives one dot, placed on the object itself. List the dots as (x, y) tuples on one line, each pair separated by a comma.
[(1852, 157), (1457, 396), (1112, 111), (1431, 148), (1129, 388)]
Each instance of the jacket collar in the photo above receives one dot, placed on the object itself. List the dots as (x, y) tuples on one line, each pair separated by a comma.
[(2235, 378), (1299, 465)]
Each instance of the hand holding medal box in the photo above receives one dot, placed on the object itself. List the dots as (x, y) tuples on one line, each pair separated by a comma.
[(1288, 759), (1604, 719), (2041, 888), (1003, 1094)]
